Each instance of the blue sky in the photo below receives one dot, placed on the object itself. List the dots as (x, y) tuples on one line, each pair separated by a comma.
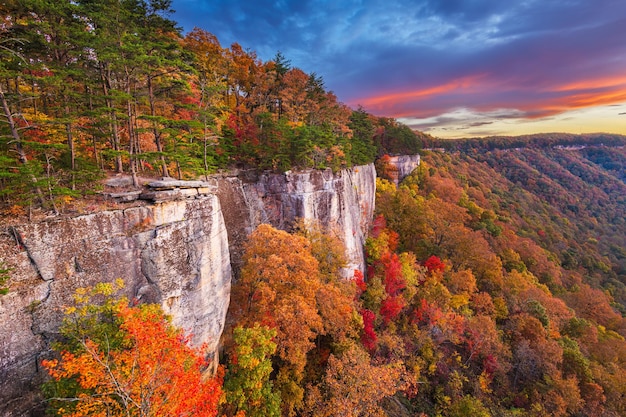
[(452, 68)]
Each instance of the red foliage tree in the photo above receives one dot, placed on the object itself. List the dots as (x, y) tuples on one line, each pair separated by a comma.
[(391, 307), (368, 337), (394, 282), (359, 281), (427, 313), (378, 225), (434, 264)]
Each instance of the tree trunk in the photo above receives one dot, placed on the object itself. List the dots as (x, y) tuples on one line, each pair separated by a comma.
[(155, 129), (106, 86), (70, 144), (14, 132), (132, 142), (18, 140)]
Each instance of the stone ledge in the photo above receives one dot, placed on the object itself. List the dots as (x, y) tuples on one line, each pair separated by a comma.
[(169, 195), (171, 184), (123, 197), (171, 189), (165, 190)]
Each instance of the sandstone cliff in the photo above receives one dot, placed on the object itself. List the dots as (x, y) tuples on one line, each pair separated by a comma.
[(175, 253), (405, 164), (343, 202)]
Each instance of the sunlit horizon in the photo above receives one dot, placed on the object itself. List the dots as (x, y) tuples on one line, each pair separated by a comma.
[(464, 124)]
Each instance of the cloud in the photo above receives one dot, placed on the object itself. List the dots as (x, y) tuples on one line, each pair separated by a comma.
[(476, 124)]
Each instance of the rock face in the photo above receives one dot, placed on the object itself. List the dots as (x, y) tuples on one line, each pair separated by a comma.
[(405, 164), (174, 253), (342, 201)]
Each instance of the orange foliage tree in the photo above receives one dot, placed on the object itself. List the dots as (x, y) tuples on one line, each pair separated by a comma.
[(290, 284), (277, 288), (353, 386), (121, 360)]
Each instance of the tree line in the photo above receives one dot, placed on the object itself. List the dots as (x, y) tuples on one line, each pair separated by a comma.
[(539, 141)]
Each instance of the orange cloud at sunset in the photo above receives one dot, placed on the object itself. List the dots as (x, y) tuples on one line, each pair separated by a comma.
[(616, 81), (465, 83), (470, 92)]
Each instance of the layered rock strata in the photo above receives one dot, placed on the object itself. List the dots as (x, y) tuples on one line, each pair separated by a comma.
[(342, 202)]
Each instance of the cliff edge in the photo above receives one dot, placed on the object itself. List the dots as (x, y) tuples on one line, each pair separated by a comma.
[(342, 202), (175, 250)]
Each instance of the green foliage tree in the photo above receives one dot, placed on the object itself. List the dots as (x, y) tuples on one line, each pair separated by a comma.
[(247, 384), (395, 138), (363, 149), (468, 406)]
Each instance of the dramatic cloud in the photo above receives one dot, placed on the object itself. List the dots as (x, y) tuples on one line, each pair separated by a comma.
[(439, 61)]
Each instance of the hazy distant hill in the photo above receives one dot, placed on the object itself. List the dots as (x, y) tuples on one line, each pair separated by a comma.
[(570, 200)]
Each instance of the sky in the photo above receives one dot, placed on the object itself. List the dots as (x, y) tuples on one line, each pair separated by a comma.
[(451, 68)]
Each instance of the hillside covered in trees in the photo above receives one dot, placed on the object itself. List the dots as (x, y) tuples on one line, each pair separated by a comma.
[(88, 87), (521, 308), (495, 287)]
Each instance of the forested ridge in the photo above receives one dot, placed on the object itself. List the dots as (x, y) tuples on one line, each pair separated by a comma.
[(538, 141), (518, 308), (89, 87)]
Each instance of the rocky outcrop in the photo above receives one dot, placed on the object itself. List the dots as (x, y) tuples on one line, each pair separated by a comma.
[(342, 202), (173, 253), (166, 189), (405, 164)]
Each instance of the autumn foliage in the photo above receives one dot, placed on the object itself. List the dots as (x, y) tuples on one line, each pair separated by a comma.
[(483, 317), (136, 364), (247, 385), (434, 264), (368, 337), (495, 272), (457, 314)]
